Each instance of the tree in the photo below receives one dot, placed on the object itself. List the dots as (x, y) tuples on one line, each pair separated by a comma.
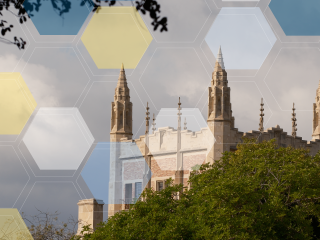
[(23, 9), (46, 226), (259, 191)]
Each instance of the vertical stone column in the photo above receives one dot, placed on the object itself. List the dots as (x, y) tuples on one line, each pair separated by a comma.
[(90, 212)]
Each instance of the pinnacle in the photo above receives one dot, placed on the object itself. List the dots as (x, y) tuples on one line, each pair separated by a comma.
[(122, 80), (220, 58)]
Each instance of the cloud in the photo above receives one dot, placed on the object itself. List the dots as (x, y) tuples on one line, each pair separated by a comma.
[(38, 78)]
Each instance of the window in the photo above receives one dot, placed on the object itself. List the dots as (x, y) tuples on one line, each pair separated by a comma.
[(159, 185), (138, 189), (162, 184), (128, 193)]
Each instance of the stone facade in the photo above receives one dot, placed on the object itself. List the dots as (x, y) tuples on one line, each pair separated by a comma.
[(171, 153), (90, 212)]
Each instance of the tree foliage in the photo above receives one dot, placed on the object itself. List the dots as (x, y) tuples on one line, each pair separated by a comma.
[(47, 226), (259, 191)]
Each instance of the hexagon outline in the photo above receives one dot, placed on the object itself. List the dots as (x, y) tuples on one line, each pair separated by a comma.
[(75, 36), (225, 2), (89, 79), (209, 75), (136, 158), (24, 170), (264, 79), (264, 101), (139, 31), (114, 81), (252, 76), (80, 197), (183, 41), (277, 33), (242, 14)]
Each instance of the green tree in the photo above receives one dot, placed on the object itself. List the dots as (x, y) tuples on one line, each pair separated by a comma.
[(258, 192)]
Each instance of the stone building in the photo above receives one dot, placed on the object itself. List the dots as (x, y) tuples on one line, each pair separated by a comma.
[(172, 153)]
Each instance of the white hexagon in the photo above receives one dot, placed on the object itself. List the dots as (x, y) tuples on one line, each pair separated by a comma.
[(58, 138)]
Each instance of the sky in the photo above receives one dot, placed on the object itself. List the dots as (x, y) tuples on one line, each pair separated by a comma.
[(261, 62)]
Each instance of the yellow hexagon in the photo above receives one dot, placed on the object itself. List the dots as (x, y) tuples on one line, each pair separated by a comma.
[(116, 35), (16, 103), (12, 225)]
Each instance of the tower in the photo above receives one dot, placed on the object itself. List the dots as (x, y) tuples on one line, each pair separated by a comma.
[(121, 110), (316, 112), (220, 119), (179, 169), (121, 130)]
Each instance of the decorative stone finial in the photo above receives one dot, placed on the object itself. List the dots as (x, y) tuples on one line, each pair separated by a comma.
[(185, 124), (261, 116), (294, 124), (122, 67), (153, 124), (147, 119)]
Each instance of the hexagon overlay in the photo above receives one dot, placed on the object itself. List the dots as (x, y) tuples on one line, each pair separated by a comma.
[(50, 78), (58, 138), (12, 225), (16, 103), (298, 69), (120, 166), (195, 134), (186, 18), (245, 37), (49, 21), (116, 35), (286, 12), (13, 177)]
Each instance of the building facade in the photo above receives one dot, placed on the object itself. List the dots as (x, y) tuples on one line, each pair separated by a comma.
[(163, 153)]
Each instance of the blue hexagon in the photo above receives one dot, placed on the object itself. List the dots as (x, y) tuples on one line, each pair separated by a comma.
[(50, 21), (116, 173), (244, 36), (296, 17)]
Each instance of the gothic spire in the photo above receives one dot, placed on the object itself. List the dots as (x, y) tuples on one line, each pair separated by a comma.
[(147, 119), (220, 58), (122, 80), (294, 124), (185, 123), (261, 116), (153, 124)]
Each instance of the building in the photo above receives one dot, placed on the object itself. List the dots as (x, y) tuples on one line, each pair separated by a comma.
[(172, 153)]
